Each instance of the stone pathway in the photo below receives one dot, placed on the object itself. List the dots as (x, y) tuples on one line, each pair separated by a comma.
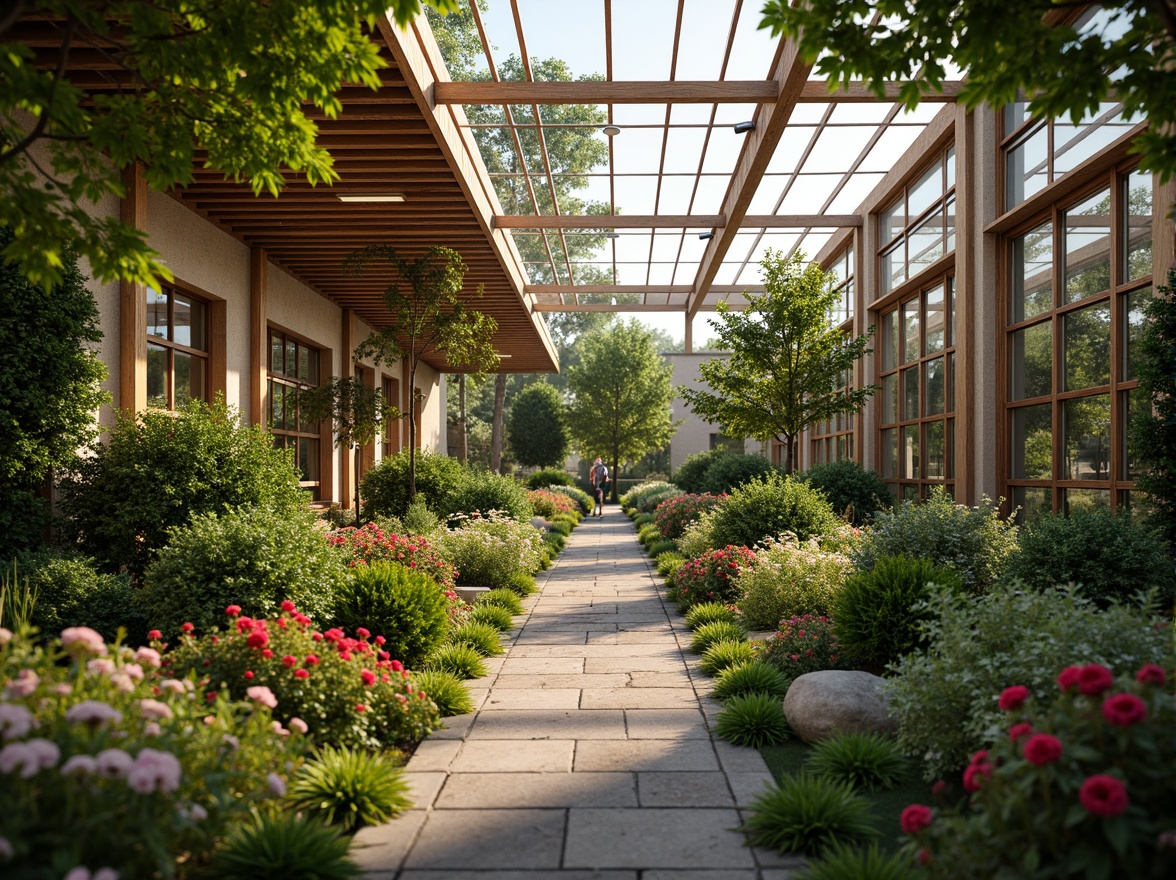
[(590, 756)]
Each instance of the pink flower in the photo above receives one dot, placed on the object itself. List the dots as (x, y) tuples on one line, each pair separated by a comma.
[(172, 685), (81, 872), (396, 666), (1042, 749), (82, 765), (1094, 679), (25, 683), (1150, 673), (368, 677), (233, 610), (975, 775), (289, 607), (1013, 697), (149, 657), (262, 695), (6, 848), (187, 627), (1017, 731), (1124, 710), (6, 636), (298, 725), (15, 721), (290, 660), (113, 763), (980, 757), (154, 770), (1068, 678), (93, 712), (277, 785), (134, 670), (915, 818), (154, 634), (1104, 796), (30, 757), (82, 639), (155, 710)]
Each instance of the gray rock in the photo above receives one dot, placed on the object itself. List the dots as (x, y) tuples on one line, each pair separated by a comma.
[(539, 522), (821, 704)]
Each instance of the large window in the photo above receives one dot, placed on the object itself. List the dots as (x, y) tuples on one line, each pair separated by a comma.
[(177, 348), (918, 227), (391, 431), (293, 366), (1078, 280), (916, 397), (833, 439)]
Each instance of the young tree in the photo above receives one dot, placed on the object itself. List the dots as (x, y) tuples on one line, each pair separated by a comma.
[(787, 359), (231, 79), (537, 428), (621, 391), (429, 316), (1153, 429), (1007, 47), (357, 411)]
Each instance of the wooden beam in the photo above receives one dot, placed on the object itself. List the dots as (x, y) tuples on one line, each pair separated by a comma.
[(817, 92), (632, 92), (132, 345), (674, 221), (605, 307), (258, 334), (538, 289)]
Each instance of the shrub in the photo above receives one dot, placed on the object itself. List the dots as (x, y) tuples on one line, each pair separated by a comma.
[(711, 577), (480, 490), (561, 528), (347, 690), (571, 518), (691, 473), (753, 720), (649, 502), (709, 612), (406, 607), (844, 862), (657, 548), (547, 504), (550, 477), (768, 508), (642, 519), (446, 690), (489, 551), (460, 660), (634, 495), (480, 636), (554, 540), (276, 846), (255, 557), (726, 653), (809, 814), (501, 598), (867, 761), (159, 469), (583, 499), (803, 644), (385, 487), (696, 538), (790, 578), (750, 677), (669, 562), (1081, 776), (349, 788), (1111, 555), (71, 591), (172, 782), (944, 699), (418, 519), (853, 493), (491, 615), (974, 541), (719, 631), (729, 472), (674, 514), (522, 584), (879, 612), (372, 543), (648, 534)]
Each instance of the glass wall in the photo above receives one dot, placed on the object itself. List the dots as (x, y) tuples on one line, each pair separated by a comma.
[(833, 439), (918, 227)]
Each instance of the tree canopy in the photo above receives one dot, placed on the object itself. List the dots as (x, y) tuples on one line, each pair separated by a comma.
[(622, 391), (1008, 48), (232, 79), (537, 428), (788, 361)]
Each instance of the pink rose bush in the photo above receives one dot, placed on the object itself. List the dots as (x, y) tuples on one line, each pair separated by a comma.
[(1083, 785), (673, 515), (370, 543), (548, 504), (712, 577), (111, 767), (803, 644)]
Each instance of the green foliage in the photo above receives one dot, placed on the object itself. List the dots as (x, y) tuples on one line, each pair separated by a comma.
[(160, 469), (482, 637), (406, 607), (657, 548), (561, 528), (725, 654), (501, 598), (944, 699), (50, 387), (419, 520), (750, 677), (70, 591), (254, 557), (768, 508), (866, 761), (653, 490), (753, 720), (852, 492), (522, 584), (642, 519), (460, 660), (492, 551), (536, 428), (18, 601), (719, 631), (648, 534), (803, 644), (789, 578), (712, 577), (492, 615), (788, 360), (674, 514), (810, 815), (731, 471), (1153, 428), (446, 690), (691, 473), (709, 612), (668, 563), (281, 845), (582, 498), (385, 487), (549, 477), (844, 862), (974, 541), (621, 395), (879, 613), (482, 491), (349, 788), (1111, 555)]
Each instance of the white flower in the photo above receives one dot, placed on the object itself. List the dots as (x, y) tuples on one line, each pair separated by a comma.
[(114, 763), (83, 639), (83, 765), (15, 721), (155, 710), (93, 712)]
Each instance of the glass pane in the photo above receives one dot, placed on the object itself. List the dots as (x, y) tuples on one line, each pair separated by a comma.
[(157, 377), (1086, 430), (304, 363), (926, 191), (933, 308), (1074, 144), (893, 221), (910, 493), (950, 218), (890, 399), (1016, 114), (1088, 247), (276, 349), (951, 383), (291, 358), (269, 402), (933, 381), (936, 454), (910, 451), (1087, 347), (910, 331), (1026, 168), (950, 167), (925, 244), (1032, 281), (1031, 361), (949, 448), (189, 322), (1133, 307), (893, 267), (1032, 448), (1034, 502), (910, 394), (889, 340), (1134, 404), (888, 454), (951, 308), (308, 458), (1085, 499), (190, 378), (1138, 228), (157, 314)]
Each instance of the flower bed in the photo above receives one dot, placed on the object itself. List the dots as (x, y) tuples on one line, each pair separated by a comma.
[(674, 514), (370, 543), (711, 577)]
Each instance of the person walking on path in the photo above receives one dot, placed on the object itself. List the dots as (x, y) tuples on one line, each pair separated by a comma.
[(598, 478)]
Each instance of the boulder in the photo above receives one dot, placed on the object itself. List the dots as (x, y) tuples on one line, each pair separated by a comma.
[(821, 704), (540, 523)]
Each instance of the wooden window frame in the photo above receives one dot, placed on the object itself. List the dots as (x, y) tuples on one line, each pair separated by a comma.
[(944, 157), (213, 310), (835, 439), (320, 357)]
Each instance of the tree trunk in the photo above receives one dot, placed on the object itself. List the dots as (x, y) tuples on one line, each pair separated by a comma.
[(613, 494), (499, 419), (412, 407), (463, 437)]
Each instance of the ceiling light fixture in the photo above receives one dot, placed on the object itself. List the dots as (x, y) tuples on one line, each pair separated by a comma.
[(612, 235), (744, 127), (370, 197), (705, 235), (611, 130)]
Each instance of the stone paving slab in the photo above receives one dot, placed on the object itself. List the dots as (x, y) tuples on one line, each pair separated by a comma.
[(532, 698), (569, 724), (564, 680), (683, 789), (650, 754), (638, 698), (512, 790), (672, 724), (511, 756), (489, 839), (543, 666), (654, 837)]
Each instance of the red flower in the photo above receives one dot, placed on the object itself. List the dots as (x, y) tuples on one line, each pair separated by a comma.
[(1068, 678), (301, 673), (267, 654), (257, 639), (362, 632), (974, 776), (187, 627), (1123, 710), (249, 673), (210, 696), (1150, 673), (290, 660), (981, 757), (216, 640), (1042, 749), (233, 610), (1020, 730), (360, 707), (155, 634), (318, 637), (1094, 678), (369, 677), (915, 818), (289, 607), (379, 640), (923, 856), (1103, 796), (312, 660), (939, 787), (396, 666), (345, 655), (1013, 697)]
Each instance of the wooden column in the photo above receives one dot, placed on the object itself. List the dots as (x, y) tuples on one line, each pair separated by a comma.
[(347, 370), (1163, 231), (133, 304), (965, 316), (258, 335), (688, 347)]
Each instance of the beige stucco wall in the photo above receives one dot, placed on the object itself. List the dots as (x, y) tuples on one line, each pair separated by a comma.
[(693, 434)]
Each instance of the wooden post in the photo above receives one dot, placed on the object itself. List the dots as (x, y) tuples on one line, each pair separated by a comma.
[(133, 304), (258, 335)]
